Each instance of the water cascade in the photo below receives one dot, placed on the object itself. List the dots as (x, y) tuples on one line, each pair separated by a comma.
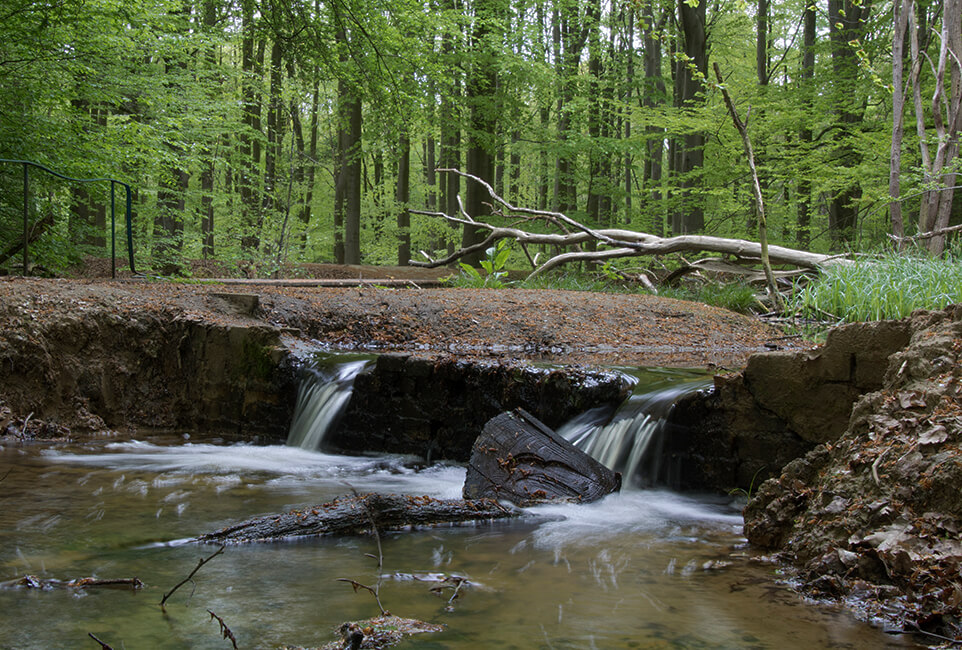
[(322, 398), (631, 441)]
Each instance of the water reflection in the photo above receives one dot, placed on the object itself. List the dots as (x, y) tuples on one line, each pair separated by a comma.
[(638, 569)]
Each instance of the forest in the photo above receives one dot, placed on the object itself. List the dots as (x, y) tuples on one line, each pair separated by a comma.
[(261, 133)]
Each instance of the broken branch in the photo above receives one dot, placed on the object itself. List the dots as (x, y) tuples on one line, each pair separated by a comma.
[(180, 584), (622, 243)]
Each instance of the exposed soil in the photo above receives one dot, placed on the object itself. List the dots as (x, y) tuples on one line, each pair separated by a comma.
[(83, 352), (569, 326), (875, 517)]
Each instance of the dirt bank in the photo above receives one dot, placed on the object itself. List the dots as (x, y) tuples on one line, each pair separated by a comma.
[(875, 516), (77, 351)]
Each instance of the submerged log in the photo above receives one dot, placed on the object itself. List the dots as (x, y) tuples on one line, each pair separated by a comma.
[(33, 582), (354, 515), (518, 458)]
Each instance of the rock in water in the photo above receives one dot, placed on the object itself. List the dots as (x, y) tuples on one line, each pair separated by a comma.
[(518, 458)]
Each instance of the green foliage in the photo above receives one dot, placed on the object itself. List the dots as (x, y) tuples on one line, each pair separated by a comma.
[(141, 89), (735, 296), (492, 266), (887, 287)]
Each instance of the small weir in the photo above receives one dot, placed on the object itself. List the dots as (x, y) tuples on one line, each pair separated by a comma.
[(631, 441), (322, 398)]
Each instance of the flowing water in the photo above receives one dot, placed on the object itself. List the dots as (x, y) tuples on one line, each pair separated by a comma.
[(630, 440), (627, 572), (322, 398)]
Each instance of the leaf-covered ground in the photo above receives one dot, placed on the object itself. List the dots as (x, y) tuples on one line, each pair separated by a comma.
[(876, 516)]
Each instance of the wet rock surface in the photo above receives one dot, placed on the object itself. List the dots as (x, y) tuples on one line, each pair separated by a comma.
[(435, 407), (875, 515)]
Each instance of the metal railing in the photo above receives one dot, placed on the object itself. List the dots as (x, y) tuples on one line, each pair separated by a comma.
[(113, 232)]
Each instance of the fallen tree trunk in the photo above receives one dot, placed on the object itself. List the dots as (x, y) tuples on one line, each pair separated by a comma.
[(354, 515), (518, 458), (621, 243)]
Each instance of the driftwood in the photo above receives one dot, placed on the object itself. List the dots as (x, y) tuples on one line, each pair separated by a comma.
[(518, 458), (190, 576), (620, 243), (354, 515), (33, 582)]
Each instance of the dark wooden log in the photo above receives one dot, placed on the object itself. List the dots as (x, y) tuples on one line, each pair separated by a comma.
[(33, 582), (353, 515), (518, 458)]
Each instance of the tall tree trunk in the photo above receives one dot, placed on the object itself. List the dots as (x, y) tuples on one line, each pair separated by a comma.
[(690, 216), (208, 171), (846, 25), (807, 80), (274, 138), (403, 197), (249, 146), (592, 23), (307, 209), (901, 10), (946, 119), (569, 36), (653, 95), (481, 96), (450, 125)]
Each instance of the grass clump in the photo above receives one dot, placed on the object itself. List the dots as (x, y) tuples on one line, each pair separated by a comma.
[(889, 287), (735, 296)]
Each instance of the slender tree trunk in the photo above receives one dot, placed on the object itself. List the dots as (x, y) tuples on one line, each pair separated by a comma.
[(450, 126), (691, 154), (403, 197), (807, 80), (307, 210), (592, 23), (846, 25), (901, 9), (249, 143), (274, 138), (481, 95), (653, 95)]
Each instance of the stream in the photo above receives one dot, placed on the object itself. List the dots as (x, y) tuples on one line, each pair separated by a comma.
[(645, 568)]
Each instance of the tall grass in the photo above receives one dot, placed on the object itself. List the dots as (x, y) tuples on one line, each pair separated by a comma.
[(889, 287)]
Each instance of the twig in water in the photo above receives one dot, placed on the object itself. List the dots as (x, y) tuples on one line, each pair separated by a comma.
[(103, 646), (180, 584), (457, 582), (376, 589), (224, 630), (23, 429)]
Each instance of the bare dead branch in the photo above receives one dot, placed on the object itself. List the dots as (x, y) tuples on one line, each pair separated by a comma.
[(928, 235), (103, 645), (224, 630), (742, 128), (376, 591), (200, 563), (622, 243)]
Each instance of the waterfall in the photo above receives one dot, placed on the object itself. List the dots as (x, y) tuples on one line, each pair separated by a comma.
[(322, 398), (631, 440)]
